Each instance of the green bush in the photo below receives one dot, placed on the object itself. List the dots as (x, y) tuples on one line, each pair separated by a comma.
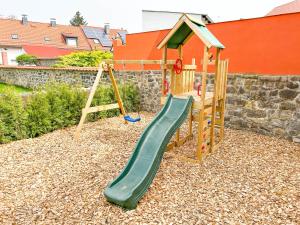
[(38, 115), (26, 59), (12, 117), (130, 97), (65, 104), (57, 105), (83, 59)]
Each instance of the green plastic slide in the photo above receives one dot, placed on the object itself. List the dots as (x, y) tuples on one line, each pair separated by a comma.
[(133, 181)]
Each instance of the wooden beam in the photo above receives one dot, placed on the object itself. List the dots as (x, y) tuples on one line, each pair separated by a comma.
[(214, 103), (101, 108), (222, 117), (164, 70), (89, 101), (140, 62), (201, 117), (189, 67), (116, 91)]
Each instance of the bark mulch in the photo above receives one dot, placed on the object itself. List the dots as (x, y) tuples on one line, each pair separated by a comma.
[(250, 179)]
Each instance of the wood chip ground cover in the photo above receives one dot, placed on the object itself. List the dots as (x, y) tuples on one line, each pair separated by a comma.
[(250, 179)]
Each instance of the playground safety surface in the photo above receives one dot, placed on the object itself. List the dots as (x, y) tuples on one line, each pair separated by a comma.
[(52, 179)]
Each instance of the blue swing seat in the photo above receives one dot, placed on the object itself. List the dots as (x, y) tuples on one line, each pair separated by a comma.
[(132, 120)]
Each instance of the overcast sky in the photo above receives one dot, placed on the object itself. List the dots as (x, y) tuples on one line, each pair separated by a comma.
[(128, 13)]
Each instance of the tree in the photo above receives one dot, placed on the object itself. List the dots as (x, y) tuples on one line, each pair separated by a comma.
[(78, 20), (83, 59)]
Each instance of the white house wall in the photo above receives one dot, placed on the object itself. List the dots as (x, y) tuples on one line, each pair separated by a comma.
[(12, 54), (153, 20)]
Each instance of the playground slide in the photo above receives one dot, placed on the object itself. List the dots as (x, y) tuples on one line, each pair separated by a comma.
[(133, 181)]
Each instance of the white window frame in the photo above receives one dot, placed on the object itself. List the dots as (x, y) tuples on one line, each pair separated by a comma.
[(14, 36), (72, 41)]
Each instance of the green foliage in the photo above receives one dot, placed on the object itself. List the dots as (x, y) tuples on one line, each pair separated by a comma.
[(38, 115), (65, 102), (83, 59), (57, 105), (12, 117), (26, 59), (130, 97), (78, 20)]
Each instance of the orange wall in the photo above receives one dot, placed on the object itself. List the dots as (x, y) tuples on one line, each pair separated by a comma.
[(268, 45)]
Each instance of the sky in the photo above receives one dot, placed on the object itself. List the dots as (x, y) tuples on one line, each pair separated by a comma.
[(127, 14)]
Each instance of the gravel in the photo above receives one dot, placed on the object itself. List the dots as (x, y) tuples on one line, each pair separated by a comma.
[(250, 179)]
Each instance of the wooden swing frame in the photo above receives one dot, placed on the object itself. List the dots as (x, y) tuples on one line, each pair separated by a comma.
[(108, 65), (88, 109)]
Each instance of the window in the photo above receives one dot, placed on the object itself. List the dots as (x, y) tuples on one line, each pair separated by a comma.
[(96, 41), (47, 39), (14, 36), (71, 41)]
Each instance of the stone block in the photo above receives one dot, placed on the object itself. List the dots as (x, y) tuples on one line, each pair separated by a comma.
[(288, 94), (273, 93), (287, 106), (292, 85), (256, 113)]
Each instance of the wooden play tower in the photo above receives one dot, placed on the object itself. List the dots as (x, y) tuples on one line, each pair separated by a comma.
[(208, 108)]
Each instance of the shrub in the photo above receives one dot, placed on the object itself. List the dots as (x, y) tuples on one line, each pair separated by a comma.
[(104, 95), (65, 104), (130, 97), (57, 105), (26, 59), (12, 117), (38, 115), (83, 59)]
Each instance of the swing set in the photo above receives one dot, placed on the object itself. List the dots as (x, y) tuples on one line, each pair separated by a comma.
[(119, 105), (108, 65)]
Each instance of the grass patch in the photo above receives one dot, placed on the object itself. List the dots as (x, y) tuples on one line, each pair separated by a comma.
[(17, 89)]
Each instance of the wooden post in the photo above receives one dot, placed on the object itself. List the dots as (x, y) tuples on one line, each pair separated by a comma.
[(214, 102), (222, 117), (89, 101), (164, 69), (201, 116), (191, 111), (116, 91), (180, 53)]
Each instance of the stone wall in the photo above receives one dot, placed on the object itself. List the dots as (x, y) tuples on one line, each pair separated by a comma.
[(265, 104), (35, 76)]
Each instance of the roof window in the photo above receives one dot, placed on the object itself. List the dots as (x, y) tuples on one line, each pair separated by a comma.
[(71, 41), (14, 36)]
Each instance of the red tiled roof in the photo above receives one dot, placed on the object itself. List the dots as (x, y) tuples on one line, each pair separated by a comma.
[(291, 7), (34, 33), (46, 52)]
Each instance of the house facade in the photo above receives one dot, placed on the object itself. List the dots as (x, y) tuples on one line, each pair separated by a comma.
[(160, 20), (290, 7), (48, 41)]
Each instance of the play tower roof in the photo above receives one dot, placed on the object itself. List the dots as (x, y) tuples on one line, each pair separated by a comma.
[(184, 29)]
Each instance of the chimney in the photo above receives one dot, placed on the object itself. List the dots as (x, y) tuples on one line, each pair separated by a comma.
[(106, 28), (24, 19), (52, 22)]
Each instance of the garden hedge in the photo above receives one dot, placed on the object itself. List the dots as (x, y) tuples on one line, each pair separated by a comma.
[(56, 106)]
